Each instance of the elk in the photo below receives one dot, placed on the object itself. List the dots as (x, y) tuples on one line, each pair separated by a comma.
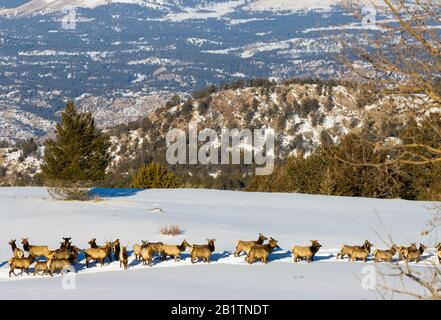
[(346, 250), (385, 255), (59, 265), (74, 252), (20, 263), (147, 252), (414, 254), (156, 246), (306, 252), (36, 251), (41, 266), (261, 252), (137, 251), (402, 250), (66, 244), (202, 251), (98, 254), (116, 248), (245, 246), (123, 258), (173, 250), (17, 252), (360, 253), (92, 243), (61, 254)]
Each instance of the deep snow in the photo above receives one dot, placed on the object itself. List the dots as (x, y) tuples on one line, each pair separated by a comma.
[(224, 215)]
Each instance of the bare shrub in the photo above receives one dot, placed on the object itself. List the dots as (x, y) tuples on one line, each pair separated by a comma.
[(69, 191), (172, 230)]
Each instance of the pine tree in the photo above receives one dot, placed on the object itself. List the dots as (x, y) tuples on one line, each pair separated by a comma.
[(79, 152), (327, 186), (155, 176)]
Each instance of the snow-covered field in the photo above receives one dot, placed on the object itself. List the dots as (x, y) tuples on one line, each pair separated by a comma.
[(226, 216)]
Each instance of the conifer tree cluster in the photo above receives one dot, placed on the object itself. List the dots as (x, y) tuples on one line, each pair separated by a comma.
[(155, 176)]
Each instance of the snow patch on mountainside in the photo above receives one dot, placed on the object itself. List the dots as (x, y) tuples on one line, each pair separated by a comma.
[(46, 6), (174, 10), (289, 5)]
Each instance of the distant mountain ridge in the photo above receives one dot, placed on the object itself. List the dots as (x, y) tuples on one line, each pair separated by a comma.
[(185, 6), (122, 66)]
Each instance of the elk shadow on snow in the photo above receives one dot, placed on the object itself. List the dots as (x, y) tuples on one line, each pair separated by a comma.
[(279, 254), (215, 256)]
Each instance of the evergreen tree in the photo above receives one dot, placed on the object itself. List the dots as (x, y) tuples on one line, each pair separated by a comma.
[(304, 175), (155, 176), (327, 185), (79, 152)]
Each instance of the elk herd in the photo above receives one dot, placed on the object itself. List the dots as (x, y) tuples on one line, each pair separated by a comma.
[(48, 261)]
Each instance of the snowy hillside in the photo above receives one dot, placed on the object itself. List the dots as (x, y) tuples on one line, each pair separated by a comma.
[(226, 216), (217, 7)]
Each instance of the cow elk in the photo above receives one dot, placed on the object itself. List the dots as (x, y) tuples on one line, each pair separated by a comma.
[(147, 254), (123, 258), (385, 255), (346, 250), (17, 252), (66, 244), (41, 266), (202, 251), (36, 251), (414, 254), (306, 252), (92, 243), (261, 252), (98, 254), (360, 253), (59, 265), (245, 246), (137, 251), (173, 251), (116, 248), (20, 263), (402, 250)]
